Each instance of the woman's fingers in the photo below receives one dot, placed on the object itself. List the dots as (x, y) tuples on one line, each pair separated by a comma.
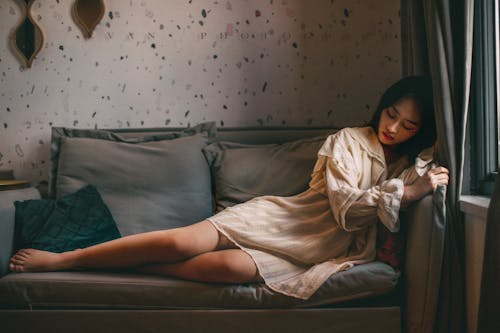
[(439, 170), (438, 176), (429, 181)]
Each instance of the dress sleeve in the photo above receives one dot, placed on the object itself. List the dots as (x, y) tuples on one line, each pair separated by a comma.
[(352, 207), (423, 163)]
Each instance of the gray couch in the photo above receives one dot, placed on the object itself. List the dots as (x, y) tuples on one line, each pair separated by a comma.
[(367, 298)]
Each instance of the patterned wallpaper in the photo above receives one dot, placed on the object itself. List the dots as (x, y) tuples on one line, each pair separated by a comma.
[(156, 63)]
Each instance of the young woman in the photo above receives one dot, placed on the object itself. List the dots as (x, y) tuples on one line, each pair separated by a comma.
[(362, 176)]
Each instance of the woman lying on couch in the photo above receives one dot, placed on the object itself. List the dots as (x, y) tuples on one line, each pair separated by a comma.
[(362, 176)]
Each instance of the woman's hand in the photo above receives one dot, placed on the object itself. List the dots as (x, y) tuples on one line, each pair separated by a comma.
[(425, 184)]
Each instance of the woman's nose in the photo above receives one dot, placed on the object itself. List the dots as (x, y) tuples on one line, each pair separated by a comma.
[(393, 127)]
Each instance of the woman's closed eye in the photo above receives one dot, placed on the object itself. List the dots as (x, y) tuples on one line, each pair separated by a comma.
[(391, 114), (409, 127)]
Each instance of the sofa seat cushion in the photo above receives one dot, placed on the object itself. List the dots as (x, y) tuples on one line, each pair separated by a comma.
[(113, 290)]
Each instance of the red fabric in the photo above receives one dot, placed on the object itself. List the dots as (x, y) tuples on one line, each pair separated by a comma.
[(390, 246)]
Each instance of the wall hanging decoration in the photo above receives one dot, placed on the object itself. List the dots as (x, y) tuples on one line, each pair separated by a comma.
[(27, 39), (87, 14)]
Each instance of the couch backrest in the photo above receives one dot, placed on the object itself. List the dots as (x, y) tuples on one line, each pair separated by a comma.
[(266, 135), (246, 135)]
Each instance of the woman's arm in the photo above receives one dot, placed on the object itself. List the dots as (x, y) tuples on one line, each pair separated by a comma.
[(425, 184), (423, 176), (352, 207), (355, 208)]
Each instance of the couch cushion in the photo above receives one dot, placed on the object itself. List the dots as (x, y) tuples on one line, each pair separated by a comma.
[(147, 186), (133, 136), (134, 291), (242, 171), (75, 221)]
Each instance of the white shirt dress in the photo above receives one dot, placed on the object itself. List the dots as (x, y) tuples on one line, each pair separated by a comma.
[(297, 242)]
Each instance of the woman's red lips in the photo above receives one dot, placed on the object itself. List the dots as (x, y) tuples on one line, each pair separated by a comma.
[(387, 136)]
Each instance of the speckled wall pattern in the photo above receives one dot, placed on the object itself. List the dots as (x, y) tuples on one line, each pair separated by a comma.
[(154, 63)]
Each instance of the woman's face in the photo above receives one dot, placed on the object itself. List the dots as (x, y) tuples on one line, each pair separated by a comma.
[(399, 122)]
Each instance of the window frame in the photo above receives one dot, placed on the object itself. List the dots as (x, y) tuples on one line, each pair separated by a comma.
[(497, 71), (485, 122)]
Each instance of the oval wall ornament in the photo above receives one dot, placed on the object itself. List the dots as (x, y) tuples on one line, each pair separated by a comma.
[(87, 14), (27, 39)]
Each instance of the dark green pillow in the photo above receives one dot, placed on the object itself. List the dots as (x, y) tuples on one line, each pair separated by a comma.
[(77, 220)]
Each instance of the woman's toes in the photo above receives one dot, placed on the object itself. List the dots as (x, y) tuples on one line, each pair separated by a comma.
[(25, 252), (16, 268), (31, 260), (19, 255), (16, 260)]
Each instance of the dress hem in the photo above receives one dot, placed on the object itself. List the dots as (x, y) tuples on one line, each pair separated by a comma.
[(259, 269)]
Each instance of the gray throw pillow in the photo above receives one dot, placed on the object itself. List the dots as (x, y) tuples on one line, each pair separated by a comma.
[(207, 129), (241, 172), (147, 186)]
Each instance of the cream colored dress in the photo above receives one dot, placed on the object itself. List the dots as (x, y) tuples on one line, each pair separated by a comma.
[(297, 242)]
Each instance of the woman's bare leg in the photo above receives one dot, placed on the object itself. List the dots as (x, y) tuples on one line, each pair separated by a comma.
[(229, 266), (164, 246)]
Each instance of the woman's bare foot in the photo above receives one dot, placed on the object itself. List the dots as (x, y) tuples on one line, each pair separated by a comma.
[(31, 260)]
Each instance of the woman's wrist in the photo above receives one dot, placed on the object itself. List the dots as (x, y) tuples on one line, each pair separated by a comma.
[(407, 195), (411, 193)]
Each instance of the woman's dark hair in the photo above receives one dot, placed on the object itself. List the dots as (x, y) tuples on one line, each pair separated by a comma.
[(418, 88)]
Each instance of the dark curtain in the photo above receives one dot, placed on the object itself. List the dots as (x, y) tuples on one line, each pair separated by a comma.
[(437, 41)]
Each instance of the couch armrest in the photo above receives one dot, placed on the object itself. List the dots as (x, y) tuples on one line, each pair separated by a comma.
[(7, 214), (424, 254)]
